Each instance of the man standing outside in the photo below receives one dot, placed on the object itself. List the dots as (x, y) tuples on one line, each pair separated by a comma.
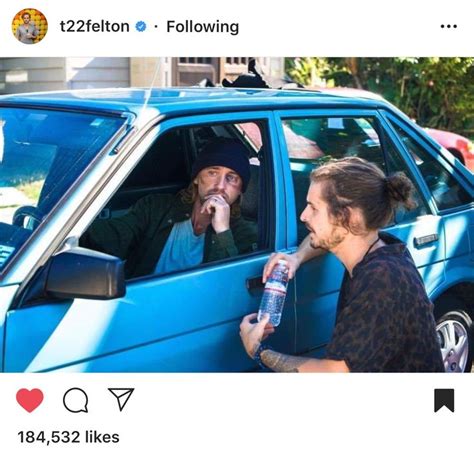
[(27, 32), (164, 232), (384, 318)]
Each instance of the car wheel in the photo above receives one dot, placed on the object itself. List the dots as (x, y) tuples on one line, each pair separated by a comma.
[(454, 334)]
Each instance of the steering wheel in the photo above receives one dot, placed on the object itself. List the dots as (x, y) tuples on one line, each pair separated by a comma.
[(27, 212)]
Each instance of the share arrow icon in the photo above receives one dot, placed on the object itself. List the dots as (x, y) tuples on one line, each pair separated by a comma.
[(122, 395)]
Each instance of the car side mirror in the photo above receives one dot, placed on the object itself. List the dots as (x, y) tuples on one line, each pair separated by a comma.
[(79, 273)]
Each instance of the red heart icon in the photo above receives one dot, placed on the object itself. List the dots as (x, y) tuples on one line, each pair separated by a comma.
[(29, 399)]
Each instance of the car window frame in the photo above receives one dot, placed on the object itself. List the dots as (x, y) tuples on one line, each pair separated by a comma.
[(295, 114), (193, 121), (415, 175), (137, 151), (435, 152), (19, 261), (380, 126)]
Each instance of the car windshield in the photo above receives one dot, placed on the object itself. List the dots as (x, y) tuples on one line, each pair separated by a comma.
[(42, 152)]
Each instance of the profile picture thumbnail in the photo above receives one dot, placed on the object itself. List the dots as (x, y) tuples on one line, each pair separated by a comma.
[(29, 26)]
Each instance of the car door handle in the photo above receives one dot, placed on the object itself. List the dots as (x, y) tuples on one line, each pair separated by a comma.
[(425, 239), (255, 284)]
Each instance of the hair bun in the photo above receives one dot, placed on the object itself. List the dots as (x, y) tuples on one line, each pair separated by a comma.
[(400, 190)]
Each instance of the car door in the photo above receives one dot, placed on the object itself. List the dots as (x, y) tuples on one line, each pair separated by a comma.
[(311, 137), (183, 321), (447, 186)]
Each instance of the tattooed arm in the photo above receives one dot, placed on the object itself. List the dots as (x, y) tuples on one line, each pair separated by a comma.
[(252, 335), (291, 364)]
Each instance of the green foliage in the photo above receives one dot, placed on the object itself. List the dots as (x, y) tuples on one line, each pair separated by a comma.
[(306, 71), (436, 92)]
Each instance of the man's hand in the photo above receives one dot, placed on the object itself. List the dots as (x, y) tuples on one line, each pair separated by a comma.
[(305, 252), (218, 208), (252, 334), (293, 264)]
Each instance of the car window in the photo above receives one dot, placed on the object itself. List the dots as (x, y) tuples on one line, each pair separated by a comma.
[(446, 190), (313, 141), (41, 154), (395, 163), (150, 217)]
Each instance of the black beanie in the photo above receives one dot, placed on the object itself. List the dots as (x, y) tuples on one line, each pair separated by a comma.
[(224, 152)]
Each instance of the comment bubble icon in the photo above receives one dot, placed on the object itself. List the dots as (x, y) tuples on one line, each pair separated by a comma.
[(75, 400)]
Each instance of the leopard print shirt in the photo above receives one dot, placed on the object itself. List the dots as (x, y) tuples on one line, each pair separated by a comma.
[(385, 320)]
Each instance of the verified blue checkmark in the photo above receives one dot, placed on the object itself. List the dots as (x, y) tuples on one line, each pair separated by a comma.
[(140, 26)]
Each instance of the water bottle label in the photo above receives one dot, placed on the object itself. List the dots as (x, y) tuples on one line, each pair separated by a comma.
[(274, 294), (275, 287), (278, 276)]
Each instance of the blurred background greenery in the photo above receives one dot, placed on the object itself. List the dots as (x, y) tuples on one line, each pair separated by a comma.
[(436, 92)]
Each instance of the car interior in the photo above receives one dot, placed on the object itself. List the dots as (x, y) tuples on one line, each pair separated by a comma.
[(446, 190), (166, 168), (338, 137)]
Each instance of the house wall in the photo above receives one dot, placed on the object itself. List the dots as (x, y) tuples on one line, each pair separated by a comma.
[(19, 75), (145, 72), (165, 72), (90, 73)]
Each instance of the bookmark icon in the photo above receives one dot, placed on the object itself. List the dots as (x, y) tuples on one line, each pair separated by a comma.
[(122, 395), (444, 397)]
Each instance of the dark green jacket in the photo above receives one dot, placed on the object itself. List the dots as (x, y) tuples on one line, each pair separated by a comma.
[(140, 236)]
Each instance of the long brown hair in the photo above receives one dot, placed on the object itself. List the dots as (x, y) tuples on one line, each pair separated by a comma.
[(354, 182)]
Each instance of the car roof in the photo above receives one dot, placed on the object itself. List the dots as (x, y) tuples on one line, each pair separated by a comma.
[(177, 101)]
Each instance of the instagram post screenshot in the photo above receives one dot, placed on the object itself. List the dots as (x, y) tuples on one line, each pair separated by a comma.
[(236, 225)]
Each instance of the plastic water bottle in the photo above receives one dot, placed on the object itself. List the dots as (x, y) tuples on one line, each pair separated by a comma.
[(274, 294)]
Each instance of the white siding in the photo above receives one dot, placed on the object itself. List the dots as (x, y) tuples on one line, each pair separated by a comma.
[(88, 73), (42, 74), (143, 71), (31, 74)]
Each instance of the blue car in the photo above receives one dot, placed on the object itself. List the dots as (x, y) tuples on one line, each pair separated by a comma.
[(71, 159)]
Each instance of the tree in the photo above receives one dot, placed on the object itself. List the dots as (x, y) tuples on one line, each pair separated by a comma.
[(436, 92)]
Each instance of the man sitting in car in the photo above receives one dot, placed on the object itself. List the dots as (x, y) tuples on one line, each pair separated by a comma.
[(163, 232)]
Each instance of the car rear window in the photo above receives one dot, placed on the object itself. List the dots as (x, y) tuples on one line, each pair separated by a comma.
[(446, 190)]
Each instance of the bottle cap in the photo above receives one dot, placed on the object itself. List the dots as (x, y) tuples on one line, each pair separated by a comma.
[(283, 262)]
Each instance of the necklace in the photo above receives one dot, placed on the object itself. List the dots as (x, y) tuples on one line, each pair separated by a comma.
[(370, 247)]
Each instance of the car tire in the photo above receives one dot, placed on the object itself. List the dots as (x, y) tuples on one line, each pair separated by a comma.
[(454, 330)]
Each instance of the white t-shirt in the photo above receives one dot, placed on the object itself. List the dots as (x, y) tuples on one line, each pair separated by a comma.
[(183, 249)]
